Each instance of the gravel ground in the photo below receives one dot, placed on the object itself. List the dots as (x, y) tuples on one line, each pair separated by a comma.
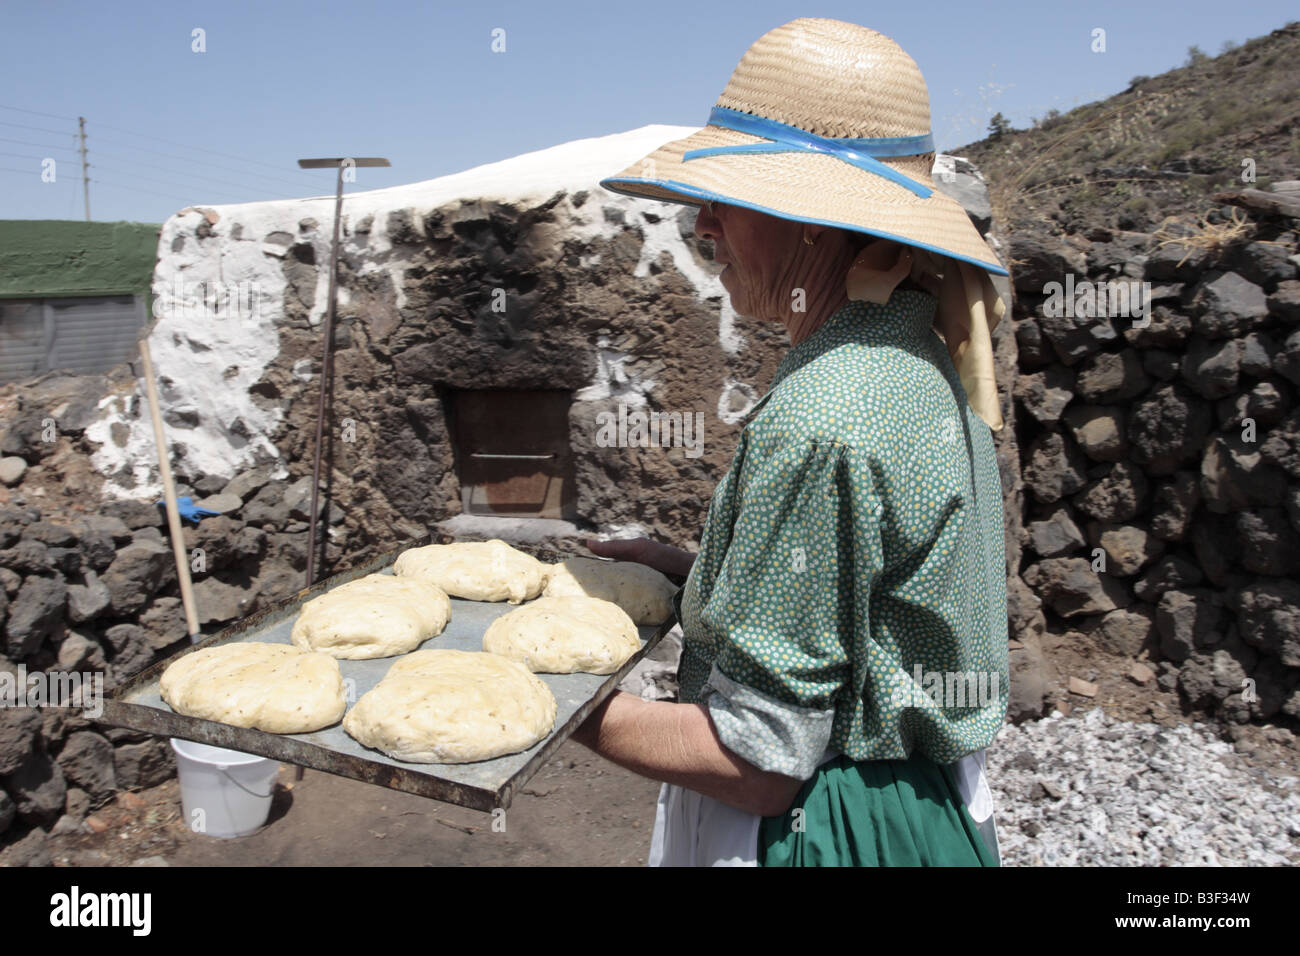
[(1091, 790)]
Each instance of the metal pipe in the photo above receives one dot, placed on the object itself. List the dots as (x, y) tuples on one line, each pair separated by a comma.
[(480, 454), (324, 382)]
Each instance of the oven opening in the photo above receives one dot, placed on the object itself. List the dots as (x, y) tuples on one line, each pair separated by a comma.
[(512, 452)]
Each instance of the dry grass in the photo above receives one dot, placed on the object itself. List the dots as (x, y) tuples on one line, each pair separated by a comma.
[(1201, 235), (1008, 197)]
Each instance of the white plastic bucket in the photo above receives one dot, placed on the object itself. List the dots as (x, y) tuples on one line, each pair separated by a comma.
[(224, 793)]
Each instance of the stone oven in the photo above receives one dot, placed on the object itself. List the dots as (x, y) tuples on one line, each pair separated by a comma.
[(512, 342)]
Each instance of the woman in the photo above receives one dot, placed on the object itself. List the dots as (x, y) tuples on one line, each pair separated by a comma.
[(852, 559)]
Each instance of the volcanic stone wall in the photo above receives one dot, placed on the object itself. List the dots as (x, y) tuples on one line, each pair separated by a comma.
[(1161, 464)]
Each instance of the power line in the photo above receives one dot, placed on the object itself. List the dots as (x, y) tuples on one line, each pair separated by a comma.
[(96, 179), (214, 152), (296, 183), (19, 109), (187, 159), (39, 129), (29, 156), (23, 142), (102, 182), (169, 169), (306, 183), (167, 182), (152, 192)]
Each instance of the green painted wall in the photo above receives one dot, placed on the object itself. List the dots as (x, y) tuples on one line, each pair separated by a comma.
[(47, 258)]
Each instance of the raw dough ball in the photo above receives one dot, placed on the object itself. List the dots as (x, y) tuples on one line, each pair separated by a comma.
[(644, 593), (476, 570), (378, 615), (271, 687), (565, 635), (445, 706)]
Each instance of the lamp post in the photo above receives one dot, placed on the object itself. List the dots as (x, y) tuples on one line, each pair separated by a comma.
[(339, 163)]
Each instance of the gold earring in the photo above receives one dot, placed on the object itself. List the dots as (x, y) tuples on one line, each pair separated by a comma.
[(807, 241)]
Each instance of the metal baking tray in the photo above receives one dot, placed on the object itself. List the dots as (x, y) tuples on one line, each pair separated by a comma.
[(484, 785)]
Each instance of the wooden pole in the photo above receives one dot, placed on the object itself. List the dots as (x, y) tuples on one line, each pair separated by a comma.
[(169, 493)]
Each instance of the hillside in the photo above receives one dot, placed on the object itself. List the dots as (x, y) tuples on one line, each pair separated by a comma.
[(1161, 148)]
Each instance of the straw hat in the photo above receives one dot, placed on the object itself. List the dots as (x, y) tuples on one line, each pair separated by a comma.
[(828, 122), (822, 122)]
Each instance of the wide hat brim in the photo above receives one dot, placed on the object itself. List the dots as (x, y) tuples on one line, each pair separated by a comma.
[(847, 87), (807, 187)]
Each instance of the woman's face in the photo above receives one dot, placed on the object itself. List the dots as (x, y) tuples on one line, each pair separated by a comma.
[(760, 253)]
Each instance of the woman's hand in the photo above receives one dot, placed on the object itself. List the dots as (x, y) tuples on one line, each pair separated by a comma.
[(662, 557)]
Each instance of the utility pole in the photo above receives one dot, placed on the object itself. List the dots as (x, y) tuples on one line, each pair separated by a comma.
[(85, 179)]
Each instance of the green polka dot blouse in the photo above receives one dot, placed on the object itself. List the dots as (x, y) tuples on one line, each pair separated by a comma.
[(849, 592)]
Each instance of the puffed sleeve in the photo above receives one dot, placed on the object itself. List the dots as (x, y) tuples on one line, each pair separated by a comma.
[(790, 603)]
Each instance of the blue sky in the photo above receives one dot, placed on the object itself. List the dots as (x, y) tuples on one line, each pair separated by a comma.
[(418, 82)]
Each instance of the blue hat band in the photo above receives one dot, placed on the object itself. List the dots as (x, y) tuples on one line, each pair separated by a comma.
[(861, 153)]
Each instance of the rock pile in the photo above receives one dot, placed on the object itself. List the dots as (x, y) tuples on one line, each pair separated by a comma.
[(98, 595), (1090, 790)]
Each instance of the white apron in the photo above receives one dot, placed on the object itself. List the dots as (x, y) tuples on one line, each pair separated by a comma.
[(694, 830)]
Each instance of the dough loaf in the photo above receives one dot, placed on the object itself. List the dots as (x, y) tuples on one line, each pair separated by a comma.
[(379, 615), (445, 706), (476, 570), (644, 593), (271, 687), (565, 635)]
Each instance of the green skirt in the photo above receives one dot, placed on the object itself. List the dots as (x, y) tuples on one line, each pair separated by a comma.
[(875, 813)]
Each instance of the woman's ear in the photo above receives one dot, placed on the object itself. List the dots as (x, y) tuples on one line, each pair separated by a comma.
[(877, 270), (881, 254), (815, 232)]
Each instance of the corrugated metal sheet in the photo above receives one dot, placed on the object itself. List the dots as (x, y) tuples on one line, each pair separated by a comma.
[(82, 335), (23, 342)]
